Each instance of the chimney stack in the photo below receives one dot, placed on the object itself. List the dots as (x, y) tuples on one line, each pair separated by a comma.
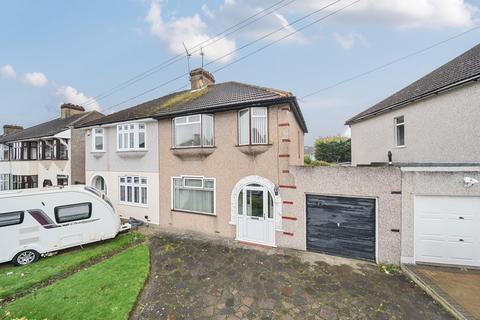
[(200, 78), (69, 109), (10, 128)]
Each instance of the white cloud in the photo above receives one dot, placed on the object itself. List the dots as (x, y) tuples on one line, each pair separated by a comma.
[(402, 13), (191, 30), (72, 95), (207, 11), (36, 79), (7, 71), (346, 42)]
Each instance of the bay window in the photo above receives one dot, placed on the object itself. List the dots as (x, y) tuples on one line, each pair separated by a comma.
[(193, 194), (4, 152), (133, 190), (253, 126), (193, 131), (98, 140), (131, 137), (4, 182)]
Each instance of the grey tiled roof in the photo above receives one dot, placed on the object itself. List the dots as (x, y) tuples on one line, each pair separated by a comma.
[(47, 129), (463, 67), (215, 98)]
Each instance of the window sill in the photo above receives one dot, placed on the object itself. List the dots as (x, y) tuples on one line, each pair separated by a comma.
[(400, 147), (254, 149), (134, 153), (194, 212), (193, 153), (145, 206), (98, 151)]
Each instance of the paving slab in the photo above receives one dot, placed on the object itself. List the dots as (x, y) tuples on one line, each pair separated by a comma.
[(457, 288), (200, 278)]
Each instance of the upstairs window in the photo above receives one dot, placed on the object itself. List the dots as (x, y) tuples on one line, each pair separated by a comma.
[(400, 131), (193, 131), (33, 150), (98, 140), (4, 151), (253, 126), (131, 137)]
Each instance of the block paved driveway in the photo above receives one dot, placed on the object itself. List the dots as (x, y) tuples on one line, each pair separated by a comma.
[(201, 279)]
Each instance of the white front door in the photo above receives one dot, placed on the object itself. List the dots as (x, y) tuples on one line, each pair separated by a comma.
[(256, 221), (447, 230)]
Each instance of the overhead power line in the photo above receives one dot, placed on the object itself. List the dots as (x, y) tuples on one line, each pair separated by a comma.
[(394, 61), (196, 48), (249, 44)]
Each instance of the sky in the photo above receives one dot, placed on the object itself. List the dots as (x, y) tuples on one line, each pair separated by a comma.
[(82, 52)]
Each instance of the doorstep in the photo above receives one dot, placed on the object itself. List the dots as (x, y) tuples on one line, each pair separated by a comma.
[(456, 289)]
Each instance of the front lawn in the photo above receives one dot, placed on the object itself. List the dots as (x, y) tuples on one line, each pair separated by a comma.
[(107, 290), (15, 280)]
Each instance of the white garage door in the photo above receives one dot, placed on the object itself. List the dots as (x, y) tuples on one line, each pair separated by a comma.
[(447, 230)]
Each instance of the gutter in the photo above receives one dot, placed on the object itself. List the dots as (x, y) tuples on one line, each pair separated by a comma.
[(412, 100)]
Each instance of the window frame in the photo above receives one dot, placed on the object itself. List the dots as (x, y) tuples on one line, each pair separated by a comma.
[(202, 137), (126, 130), (94, 138), (203, 178), (56, 209), (396, 128), (250, 128), (133, 185), (22, 217)]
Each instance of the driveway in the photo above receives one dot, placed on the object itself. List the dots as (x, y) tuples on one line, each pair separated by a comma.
[(195, 278)]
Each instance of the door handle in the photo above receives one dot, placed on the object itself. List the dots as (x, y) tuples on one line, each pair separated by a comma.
[(461, 218), (461, 240), (255, 218)]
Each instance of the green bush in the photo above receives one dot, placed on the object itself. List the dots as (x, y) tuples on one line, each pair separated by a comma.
[(333, 149)]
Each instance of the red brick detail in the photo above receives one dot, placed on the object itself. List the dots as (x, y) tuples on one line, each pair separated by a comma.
[(286, 140), (284, 156), (285, 171), (287, 202), (287, 186), (289, 218), (286, 109), (284, 124), (288, 233)]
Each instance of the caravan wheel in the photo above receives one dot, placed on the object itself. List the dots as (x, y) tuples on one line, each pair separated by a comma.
[(25, 257)]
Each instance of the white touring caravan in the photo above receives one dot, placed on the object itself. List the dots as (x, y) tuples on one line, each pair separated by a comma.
[(34, 222)]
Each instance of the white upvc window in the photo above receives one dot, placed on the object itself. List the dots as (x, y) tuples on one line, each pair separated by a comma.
[(253, 126), (193, 194), (131, 137), (2, 152), (399, 131), (133, 190), (98, 140), (193, 131), (4, 182)]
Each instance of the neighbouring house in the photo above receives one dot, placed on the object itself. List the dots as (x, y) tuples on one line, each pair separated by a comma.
[(214, 159), (51, 153), (430, 131)]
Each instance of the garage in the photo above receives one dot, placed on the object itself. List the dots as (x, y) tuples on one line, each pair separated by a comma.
[(341, 226), (447, 230)]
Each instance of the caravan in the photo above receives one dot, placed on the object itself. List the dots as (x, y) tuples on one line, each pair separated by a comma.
[(38, 221)]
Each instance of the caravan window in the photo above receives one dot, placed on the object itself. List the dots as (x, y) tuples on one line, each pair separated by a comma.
[(11, 218), (73, 212)]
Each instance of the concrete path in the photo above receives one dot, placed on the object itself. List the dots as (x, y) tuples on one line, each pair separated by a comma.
[(195, 278), (457, 289)]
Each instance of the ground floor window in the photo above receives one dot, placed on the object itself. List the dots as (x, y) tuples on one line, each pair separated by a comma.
[(98, 182), (4, 182), (193, 194), (62, 180), (133, 190), (24, 182)]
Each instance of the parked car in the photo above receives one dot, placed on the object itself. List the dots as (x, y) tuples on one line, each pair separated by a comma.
[(38, 221)]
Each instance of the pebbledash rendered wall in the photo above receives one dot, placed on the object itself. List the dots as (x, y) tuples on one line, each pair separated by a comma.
[(381, 183)]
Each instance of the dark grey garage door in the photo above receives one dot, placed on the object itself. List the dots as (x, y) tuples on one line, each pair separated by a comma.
[(341, 226)]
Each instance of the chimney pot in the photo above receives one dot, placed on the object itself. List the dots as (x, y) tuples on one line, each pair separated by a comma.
[(70, 109), (200, 78), (11, 128)]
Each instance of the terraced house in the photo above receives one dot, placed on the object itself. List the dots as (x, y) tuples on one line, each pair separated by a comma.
[(214, 158), (51, 153)]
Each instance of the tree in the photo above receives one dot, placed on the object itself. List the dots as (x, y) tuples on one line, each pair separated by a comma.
[(333, 149)]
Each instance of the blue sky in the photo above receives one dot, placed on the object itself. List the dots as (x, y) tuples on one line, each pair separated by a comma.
[(69, 51)]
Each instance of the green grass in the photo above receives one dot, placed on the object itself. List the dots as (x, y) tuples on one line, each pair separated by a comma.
[(14, 280), (107, 290)]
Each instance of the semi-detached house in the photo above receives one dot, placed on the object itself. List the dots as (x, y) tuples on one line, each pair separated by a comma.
[(47, 154), (214, 159)]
